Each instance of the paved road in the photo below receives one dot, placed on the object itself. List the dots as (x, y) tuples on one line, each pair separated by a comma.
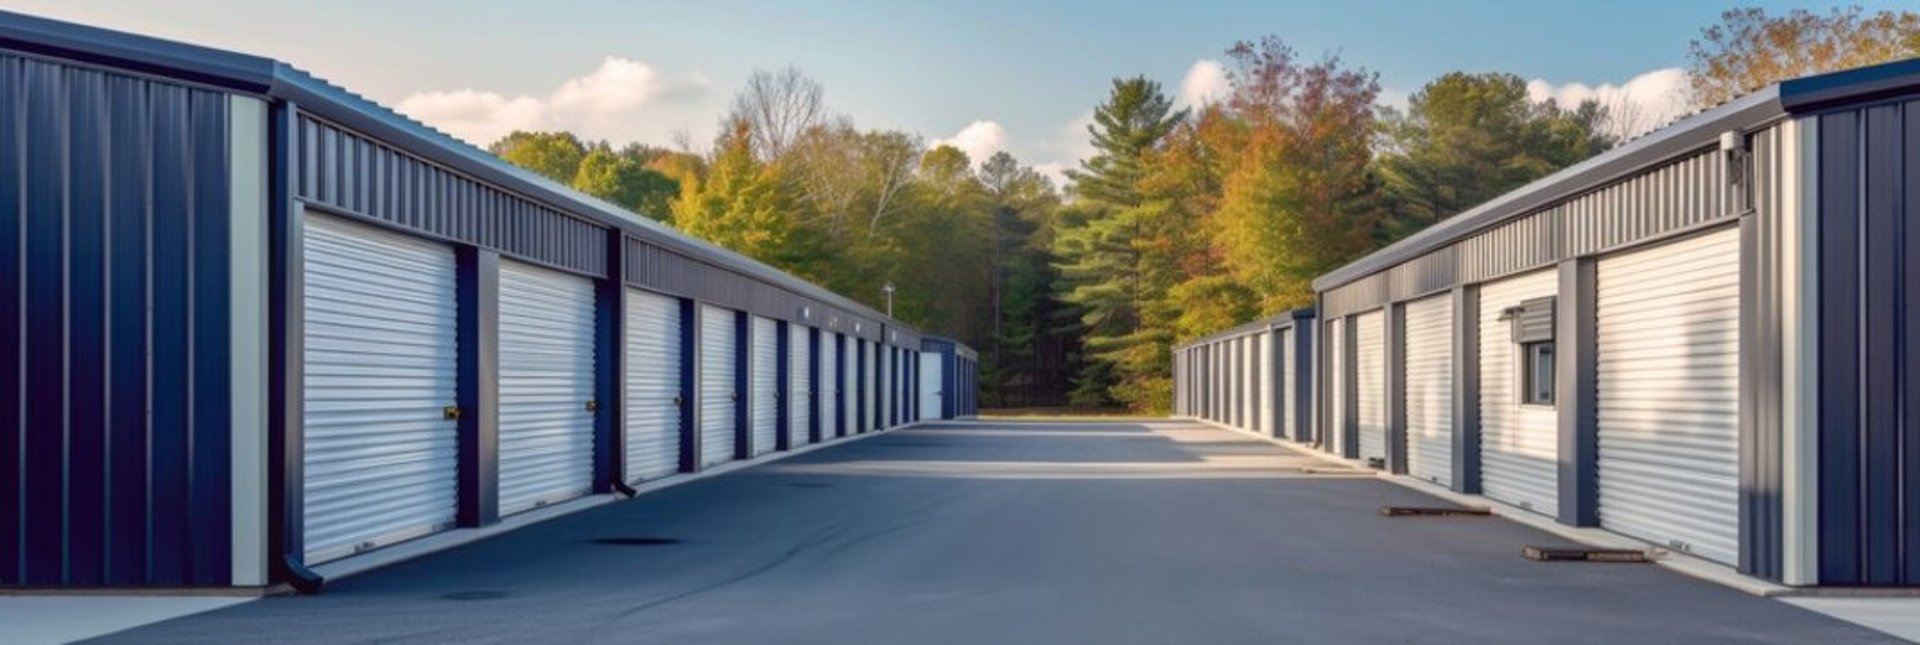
[(1017, 533)]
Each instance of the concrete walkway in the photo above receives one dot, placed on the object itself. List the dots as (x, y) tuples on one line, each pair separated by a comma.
[(1017, 533)]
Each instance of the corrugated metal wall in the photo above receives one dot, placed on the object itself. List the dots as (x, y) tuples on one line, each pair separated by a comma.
[(1673, 198), (341, 170), (114, 329), (1869, 372), (661, 269)]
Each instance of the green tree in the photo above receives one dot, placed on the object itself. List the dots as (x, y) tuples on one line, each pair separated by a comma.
[(1468, 138), (1100, 264), (554, 155), (624, 180), (738, 204)]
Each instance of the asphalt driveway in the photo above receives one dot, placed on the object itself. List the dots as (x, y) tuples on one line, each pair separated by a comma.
[(1017, 533)]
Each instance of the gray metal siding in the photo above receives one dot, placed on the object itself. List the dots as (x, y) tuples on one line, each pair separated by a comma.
[(114, 326), (1659, 202), (658, 268)]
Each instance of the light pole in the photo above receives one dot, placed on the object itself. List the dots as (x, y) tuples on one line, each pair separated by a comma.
[(889, 291)]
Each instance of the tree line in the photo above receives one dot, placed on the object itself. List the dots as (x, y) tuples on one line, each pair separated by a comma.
[(1184, 221)]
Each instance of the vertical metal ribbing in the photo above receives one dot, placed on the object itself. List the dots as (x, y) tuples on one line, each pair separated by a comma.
[(1575, 393), (479, 365), (1466, 397)]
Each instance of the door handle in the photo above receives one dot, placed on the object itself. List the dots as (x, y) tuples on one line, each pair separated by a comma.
[(450, 413), (593, 405)]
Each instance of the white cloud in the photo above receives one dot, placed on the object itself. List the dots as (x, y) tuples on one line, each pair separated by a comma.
[(1056, 171), (1641, 104), (622, 100), (979, 140), (1205, 82)]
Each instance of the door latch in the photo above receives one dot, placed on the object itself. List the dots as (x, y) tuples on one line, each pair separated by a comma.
[(678, 401), (593, 405), (450, 413)]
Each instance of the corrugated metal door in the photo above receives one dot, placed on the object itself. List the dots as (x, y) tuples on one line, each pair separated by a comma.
[(849, 387), (546, 382), (872, 387), (930, 386), (1519, 444), (1429, 395), (799, 385), (1370, 367), (1285, 413), (764, 369), (653, 385), (381, 366), (883, 362), (1263, 383), (1336, 356), (1669, 376), (718, 390), (829, 385)]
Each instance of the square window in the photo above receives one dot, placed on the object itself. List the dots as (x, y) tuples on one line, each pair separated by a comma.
[(1536, 373)]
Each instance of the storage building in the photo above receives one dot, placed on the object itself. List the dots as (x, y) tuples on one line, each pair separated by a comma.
[(1704, 339), (949, 382), (253, 324)]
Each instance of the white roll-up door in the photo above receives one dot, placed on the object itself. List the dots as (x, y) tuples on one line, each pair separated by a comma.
[(1253, 383), (546, 384), (1370, 367), (872, 388), (883, 359), (1429, 383), (930, 386), (1263, 384), (764, 370), (829, 386), (1519, 443), (380, 457), (849, 387), (1336, 356), (718, 391), (653, 385), (799, 385), (1285, 412), (1669, 375)]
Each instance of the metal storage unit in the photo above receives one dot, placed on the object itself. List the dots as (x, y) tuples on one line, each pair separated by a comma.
[(764, 385), (883, 362), (1668, 394), (1336, 361), (546, 384), (800, 395), (1263, 389), (1519, 443), (719, 389), (381, 355), (832, 385), (1287, 417), (1370, 391), (654, 391), (870, 388), (1429, 388), (849, 386)]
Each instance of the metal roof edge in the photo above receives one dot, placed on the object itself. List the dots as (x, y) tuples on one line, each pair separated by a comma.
[(275, 79), (1682, 137), (1866, 83), (146, 54), (1289, 318)]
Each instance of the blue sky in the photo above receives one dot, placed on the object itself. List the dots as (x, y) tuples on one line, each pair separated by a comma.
[(1023, 74)]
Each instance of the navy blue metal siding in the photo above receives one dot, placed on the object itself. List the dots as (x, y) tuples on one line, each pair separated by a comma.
[(1869, 215), (344, 171), (113, 323)]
